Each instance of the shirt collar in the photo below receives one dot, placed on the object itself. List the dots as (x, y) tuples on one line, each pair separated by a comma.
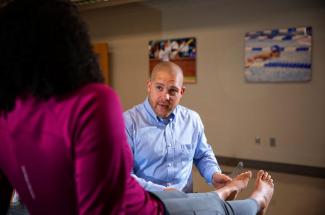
[(149, 109)]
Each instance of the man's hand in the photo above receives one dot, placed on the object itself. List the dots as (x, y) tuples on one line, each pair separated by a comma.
[(219, 180)]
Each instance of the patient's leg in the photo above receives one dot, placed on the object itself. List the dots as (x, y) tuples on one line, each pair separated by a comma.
[(263, 191), (230, 191)]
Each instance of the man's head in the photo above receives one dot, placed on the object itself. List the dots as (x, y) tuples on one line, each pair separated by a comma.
[(165, 88)]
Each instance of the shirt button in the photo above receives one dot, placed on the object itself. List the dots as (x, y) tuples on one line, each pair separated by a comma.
[(169, 145), (169, 165)]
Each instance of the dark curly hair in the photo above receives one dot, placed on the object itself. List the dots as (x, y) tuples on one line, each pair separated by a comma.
[(45, 50)]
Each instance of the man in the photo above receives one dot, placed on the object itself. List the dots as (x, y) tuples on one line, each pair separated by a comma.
[(166, 138)]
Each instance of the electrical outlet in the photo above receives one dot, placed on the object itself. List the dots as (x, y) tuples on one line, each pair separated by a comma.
[(272, 141), (257, 140)]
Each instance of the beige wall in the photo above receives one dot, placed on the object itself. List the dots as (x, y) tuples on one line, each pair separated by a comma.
[(233, 111)]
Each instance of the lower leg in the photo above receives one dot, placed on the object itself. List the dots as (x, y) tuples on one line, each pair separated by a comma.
[(241, 207)]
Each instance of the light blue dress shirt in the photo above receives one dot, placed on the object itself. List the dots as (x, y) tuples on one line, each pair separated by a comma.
[(164, 150)]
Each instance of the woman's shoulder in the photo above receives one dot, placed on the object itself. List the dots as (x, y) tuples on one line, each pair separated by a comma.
[(89, 96), (96, 91), (96, 88)]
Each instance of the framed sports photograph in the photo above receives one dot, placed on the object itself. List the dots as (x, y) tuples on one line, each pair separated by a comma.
[(181, 51), (278, 55)]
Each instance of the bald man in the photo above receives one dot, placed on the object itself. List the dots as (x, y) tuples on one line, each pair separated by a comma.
[(167, 138)]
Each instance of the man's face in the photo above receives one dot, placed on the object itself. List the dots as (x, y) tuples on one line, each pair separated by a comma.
[(165, 92)]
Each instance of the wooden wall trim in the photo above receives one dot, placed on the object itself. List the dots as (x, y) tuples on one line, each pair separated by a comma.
[(274, 166)]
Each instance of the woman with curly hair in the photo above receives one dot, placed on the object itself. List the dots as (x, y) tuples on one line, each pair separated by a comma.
[(62, 139)]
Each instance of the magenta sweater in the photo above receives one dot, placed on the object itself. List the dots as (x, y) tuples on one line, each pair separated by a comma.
[(69, 155)]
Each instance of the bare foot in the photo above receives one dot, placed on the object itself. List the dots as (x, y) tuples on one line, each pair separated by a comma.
[(263, 191), (231, 190)]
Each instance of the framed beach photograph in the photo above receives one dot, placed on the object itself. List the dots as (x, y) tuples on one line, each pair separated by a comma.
[(181, 51), (278, 55)]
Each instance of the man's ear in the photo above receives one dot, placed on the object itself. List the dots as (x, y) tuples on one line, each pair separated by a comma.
[(149, 83), (183, 90)]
